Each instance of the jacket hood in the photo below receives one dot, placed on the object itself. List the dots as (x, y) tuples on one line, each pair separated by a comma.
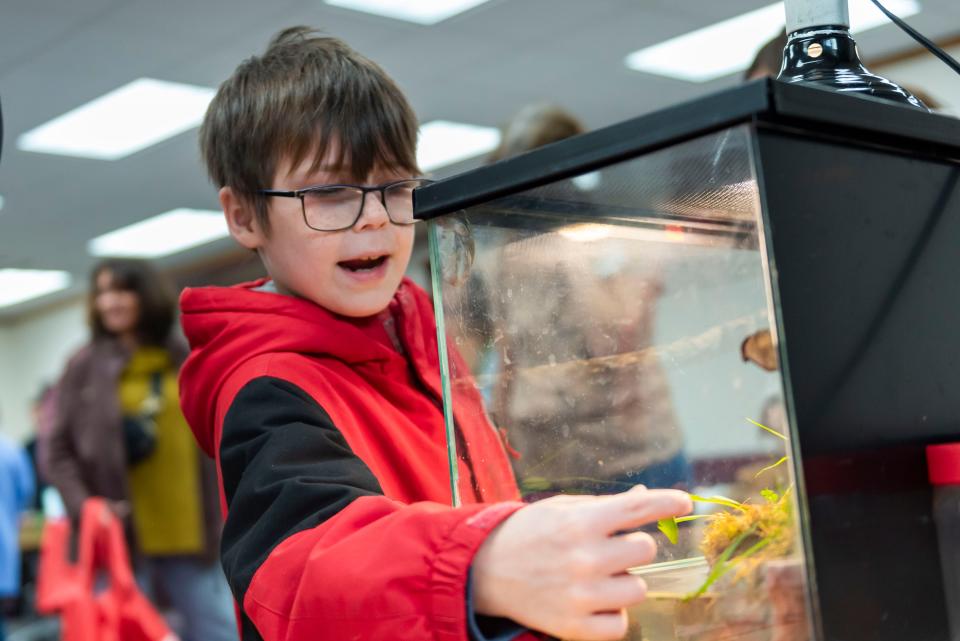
[(227, 326)]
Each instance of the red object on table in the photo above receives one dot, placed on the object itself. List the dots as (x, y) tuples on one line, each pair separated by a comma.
[(119, 611), (943, 464)]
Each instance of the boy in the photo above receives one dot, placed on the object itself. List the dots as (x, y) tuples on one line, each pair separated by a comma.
[(317, 390)]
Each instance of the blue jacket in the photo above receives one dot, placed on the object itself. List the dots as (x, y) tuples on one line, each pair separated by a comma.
[(16, 490)]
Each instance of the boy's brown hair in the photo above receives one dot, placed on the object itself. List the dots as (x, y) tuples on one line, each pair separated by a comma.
[(303, 94)]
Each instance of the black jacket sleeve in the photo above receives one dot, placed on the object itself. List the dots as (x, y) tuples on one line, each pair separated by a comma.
[(286, 468)]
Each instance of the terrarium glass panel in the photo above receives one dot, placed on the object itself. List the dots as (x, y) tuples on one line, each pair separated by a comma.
[(619, 327)]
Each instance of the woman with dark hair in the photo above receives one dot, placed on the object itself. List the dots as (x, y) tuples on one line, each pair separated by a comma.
[(119, 434)]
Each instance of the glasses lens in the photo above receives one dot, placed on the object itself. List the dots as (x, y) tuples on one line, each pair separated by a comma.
[(331, 208), (399, 200)]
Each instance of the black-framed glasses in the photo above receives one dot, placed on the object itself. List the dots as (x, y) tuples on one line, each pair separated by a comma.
[(339, 207)]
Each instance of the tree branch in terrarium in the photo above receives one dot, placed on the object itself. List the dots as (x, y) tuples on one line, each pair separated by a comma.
[(678, 351)]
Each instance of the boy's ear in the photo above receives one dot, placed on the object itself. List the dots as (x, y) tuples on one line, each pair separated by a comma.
[(241, 219)]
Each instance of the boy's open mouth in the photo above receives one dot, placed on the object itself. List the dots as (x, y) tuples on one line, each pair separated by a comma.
[(362, 264)]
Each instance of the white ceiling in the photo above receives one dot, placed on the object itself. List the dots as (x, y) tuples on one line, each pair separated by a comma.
[(479, 67)]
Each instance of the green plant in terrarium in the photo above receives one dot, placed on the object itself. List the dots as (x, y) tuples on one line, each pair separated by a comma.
[(743, 536)]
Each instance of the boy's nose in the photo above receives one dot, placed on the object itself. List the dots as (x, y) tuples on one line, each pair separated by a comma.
[(374, 214)]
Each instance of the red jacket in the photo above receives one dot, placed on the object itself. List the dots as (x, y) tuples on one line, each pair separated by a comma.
[(330, 445)]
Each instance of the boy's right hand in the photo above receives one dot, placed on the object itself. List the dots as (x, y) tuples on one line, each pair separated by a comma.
[(558, 566)]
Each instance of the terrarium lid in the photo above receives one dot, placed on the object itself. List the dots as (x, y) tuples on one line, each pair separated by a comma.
[(798, 109), (943, 464)]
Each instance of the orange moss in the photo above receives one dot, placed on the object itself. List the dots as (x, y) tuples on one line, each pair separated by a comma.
[(771, 521)]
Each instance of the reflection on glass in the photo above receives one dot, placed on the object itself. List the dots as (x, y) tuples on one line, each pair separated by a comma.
[(621, 335)]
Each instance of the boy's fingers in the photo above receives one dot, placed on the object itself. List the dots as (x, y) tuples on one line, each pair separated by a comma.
[(606, 626), (615, 593), (636, 507), (616, 554)]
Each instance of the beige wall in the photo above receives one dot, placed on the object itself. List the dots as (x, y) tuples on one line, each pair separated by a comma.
[(33, 351), (928, 74)]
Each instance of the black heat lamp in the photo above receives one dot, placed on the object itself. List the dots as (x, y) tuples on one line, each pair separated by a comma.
[(820, 50)]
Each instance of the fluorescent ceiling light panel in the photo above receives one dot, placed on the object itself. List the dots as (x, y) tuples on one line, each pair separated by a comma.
[(585, 233), (169, 233), (729, 46), (420, 11), (122, 122), (588, 181), (19, 285), (864, 15), (443, 143)]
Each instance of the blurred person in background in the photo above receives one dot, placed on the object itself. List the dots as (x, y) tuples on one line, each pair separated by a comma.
[(769, 59), (16, 491), (43, 413), (46, 504), (582, 426), (119, 434), (535, 126)]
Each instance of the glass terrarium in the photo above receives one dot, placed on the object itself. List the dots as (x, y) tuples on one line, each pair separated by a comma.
[(703, 299)]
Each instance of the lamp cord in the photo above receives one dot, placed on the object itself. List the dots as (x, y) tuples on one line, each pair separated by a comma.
[(919, 37)]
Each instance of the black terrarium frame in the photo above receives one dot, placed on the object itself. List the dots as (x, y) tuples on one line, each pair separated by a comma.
[(860, 204)]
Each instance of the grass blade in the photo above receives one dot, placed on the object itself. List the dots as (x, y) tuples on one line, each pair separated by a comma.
[(770, 467), (669, 528), (692, 517), (768, 429), (722, 565), (718, 500)]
